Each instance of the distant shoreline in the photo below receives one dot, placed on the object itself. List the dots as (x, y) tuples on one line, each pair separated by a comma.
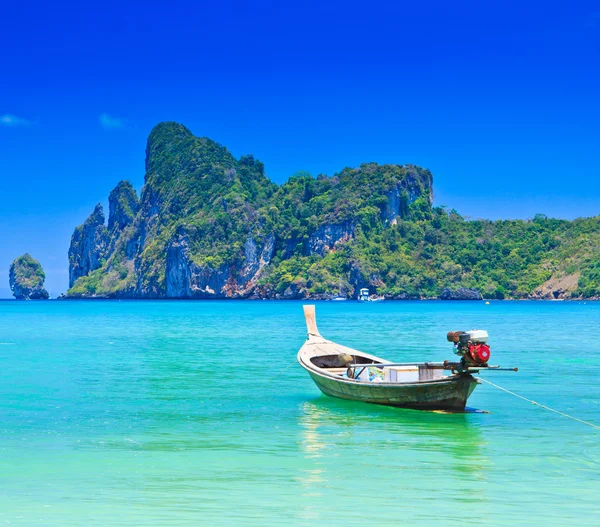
[(129, 299)]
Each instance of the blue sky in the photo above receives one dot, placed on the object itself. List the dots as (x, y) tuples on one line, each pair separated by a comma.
[(499, 99)]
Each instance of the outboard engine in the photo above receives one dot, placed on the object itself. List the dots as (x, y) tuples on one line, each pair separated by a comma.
[(471, 346)]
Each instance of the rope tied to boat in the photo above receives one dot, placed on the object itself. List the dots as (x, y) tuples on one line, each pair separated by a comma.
[(539, 404), (284, 369)]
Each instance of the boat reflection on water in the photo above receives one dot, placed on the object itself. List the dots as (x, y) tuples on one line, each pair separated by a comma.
[(418, 455), (456, 434)]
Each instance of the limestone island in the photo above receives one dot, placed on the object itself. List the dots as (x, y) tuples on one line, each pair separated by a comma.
[(208, 225), (26, 278)]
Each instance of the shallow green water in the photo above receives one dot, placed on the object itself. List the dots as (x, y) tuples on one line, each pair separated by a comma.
[(164, 413)]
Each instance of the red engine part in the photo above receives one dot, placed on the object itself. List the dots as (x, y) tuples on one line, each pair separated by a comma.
[(480, 353)]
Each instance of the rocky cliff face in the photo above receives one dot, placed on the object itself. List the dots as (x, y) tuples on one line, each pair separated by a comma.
[(123, 205), (188, 279), (326, 237), (93, 243), (406, 192), (26, 278), (208, 225), (88, 245)]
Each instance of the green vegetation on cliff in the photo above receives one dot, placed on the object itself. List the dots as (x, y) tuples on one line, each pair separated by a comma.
[(208, 225)]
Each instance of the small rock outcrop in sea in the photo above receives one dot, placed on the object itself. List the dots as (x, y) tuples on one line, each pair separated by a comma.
[(461, 293), (26, 278)]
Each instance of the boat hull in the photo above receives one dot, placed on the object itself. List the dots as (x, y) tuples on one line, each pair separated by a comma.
[(449, 393)]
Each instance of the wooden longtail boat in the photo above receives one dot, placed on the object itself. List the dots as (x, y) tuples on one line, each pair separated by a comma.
[(343, 372)]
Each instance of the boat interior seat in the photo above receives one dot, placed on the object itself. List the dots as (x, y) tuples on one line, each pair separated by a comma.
[(339, 360), (337, 371)]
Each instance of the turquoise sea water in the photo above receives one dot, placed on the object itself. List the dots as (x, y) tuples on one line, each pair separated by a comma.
[(167, 413)]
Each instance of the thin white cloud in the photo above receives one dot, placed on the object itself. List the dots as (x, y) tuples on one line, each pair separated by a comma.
[(111, 123), (10, 120)]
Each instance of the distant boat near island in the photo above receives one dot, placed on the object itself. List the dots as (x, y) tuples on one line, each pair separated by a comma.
[(364, 296), (340, 296)]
